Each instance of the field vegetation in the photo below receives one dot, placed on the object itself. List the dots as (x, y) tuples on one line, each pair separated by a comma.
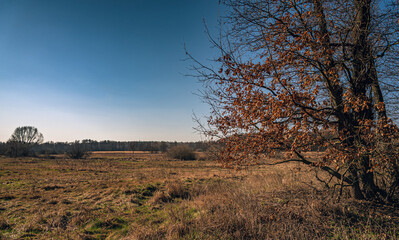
[(139, 195)]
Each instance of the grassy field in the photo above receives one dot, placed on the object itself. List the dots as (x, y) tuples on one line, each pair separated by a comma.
[(125, 195)]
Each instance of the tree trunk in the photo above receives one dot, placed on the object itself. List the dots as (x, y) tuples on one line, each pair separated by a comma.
[(356, 191)]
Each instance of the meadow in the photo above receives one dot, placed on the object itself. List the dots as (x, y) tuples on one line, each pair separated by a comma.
[(142, 195)]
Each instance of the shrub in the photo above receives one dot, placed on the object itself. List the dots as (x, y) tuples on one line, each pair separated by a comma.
[(18, 149), (77, 151), (182, 152), (2, 148)]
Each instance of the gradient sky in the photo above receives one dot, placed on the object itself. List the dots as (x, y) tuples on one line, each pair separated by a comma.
[(103, 70)]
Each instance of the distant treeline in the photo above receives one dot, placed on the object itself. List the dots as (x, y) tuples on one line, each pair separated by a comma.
[(92, 145)]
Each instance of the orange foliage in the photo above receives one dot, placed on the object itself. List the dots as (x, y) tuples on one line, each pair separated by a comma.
[(303, 85)]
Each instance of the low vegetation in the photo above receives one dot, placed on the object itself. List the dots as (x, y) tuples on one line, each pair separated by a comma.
[(120, 195), (181, 152), (77, 150)]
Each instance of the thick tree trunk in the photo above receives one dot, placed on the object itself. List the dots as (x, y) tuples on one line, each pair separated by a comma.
[(356, 191), (347, 122), (370, 190), (364, 77)]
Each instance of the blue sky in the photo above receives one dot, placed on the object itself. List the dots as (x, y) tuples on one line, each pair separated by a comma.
[(102, 69)]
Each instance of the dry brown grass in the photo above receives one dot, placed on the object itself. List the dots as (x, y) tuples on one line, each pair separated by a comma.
[(159, 197), (148, 196)]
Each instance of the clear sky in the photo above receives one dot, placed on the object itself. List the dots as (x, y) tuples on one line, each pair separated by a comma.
[(102, 69)]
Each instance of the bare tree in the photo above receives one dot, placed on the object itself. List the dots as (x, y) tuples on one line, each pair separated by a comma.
[(22, 141)]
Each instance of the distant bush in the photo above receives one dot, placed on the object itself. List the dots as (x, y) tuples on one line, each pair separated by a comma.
[(77, 150), (182, 152), (2, 148), (17, 149)]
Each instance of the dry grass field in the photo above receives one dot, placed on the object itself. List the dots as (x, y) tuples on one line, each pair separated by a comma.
[(125, 195)]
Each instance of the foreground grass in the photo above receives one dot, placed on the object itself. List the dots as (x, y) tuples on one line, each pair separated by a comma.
[(147, 196)]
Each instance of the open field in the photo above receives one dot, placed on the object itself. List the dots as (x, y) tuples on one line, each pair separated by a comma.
[(125, 195)]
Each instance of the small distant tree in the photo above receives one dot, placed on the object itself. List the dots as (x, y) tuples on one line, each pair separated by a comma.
[(22, 141), (2, 148), (163, 147), (77, 150), (134, 146)]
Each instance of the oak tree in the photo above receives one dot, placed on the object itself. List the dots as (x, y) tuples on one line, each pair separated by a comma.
[(302, 75)]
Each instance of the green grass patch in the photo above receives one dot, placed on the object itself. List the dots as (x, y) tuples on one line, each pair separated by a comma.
[(101, 228)]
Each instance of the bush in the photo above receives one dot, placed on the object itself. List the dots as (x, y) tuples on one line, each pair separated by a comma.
[(182, 152), (17, 149), (3, 148), (77, 151)]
